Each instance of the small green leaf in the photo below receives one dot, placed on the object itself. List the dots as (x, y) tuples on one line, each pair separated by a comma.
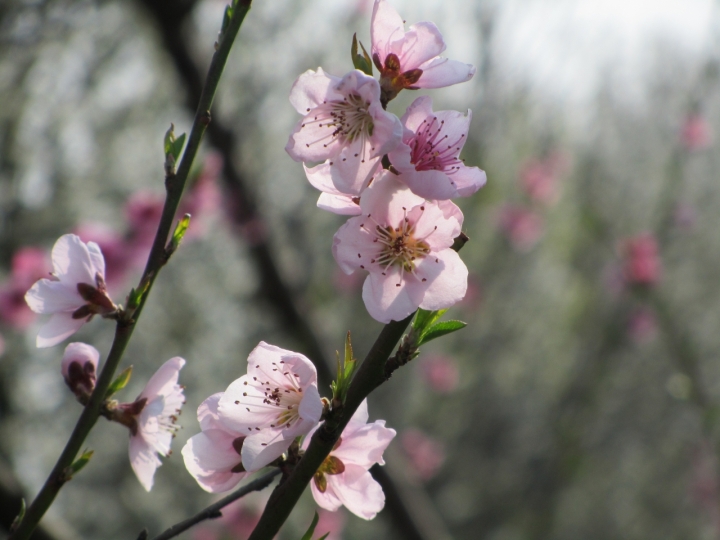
[(324, 536), (227, 17), (119, 383), (169, 139), (20, 516), (78, 465), (440, 329), (424, 319), (180, 230), (361, 62), (177, 146), (311, 530)]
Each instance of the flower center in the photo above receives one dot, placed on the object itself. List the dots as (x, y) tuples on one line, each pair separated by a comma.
[(348, 119), (399, 246), (430, 151)]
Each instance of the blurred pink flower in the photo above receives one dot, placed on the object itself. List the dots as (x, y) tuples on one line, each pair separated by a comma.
[(696, 133), (539, 178), (28, 265), (440, 373), (75, 292), (331, 523), (641, 260), (642, 325), (426, 455), (521, 226)]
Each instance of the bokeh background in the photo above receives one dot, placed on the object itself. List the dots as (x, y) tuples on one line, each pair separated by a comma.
[(582, 399)]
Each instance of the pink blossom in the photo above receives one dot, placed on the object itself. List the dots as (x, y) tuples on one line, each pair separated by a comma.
[(332, 199), (212, 456), (75, 292), (411, 59), (642, 262), (343, 479), (275, 402), (344, 125), (153, 415), (539, 178), (404, 242), (28, 265), (521, 226), (428, 158), (118, 256), (79, 366), (440, 373), (426, 455), (695, 133)]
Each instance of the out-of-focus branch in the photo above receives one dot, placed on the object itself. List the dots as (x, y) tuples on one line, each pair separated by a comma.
[(170, 18)]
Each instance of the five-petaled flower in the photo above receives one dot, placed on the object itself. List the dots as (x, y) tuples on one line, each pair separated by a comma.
[(344, 125), (75, 292), (343, 478), (428, 157), (410, 60), (152, 419), (275, 402), (404, 242), (212, 456)]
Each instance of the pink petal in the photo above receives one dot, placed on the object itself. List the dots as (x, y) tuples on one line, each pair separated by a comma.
[(359, 419), (385, 199), (429, 184), (265, 360), (418, 111), (365, 446), (59, 327), (311, 141), (441, 72), (450, 285), (144, 461), (165, 379), (311, 406), (208, 414), (209, 457), (351, 170), (71, 261), (241, 408), (422, 42), (358, 491), (312, 88), (385, 300), (264, 447), (48, 296), (326, 500), (468, 180), (97, 259), (386, 26), (338, 204), (352, 244), (439, 224)]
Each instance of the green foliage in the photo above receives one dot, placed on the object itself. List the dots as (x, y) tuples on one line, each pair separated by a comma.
[(361, 62), (78, 465), (425, 326), (119, 383), (311, 530), (345, 371)]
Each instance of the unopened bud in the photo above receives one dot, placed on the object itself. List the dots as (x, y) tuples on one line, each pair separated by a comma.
[(79, 368)]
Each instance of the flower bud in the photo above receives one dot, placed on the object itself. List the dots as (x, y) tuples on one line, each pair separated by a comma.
[(79, 365)]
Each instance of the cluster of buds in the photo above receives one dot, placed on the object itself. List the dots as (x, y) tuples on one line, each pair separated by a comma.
[(395, 175)]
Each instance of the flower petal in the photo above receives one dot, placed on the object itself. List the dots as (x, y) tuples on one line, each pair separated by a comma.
[(311, 406), (338, 204), (209, 457), (164, 381), (208, 414), (326, 500), (450, 285), (59, 327), (264, 447), (71, 261), (422, 42), (144, 461), (393, 296), (386, 26), (48, 296), (358, 491), (312, 88), (441, 72), (365, 446)]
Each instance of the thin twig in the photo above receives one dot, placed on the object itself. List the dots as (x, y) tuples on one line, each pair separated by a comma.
[(213, 511), (175, 185)]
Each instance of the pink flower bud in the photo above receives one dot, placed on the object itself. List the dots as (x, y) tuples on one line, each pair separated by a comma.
[(79, 366), (642, 262)]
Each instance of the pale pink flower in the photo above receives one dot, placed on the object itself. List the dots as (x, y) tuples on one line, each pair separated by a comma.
[(275, 402), (212, 456), (521, 225), (440, 373), (429, 156), (411, 59), (119, 258), (75, 292), (695, 133), (641, 260), (343, 479), (332, 199), (78, 368), (426, 455), (152, 420), (404, 242), (344, 125)]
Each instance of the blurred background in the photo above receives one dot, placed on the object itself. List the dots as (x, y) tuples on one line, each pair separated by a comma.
[(582, 399)]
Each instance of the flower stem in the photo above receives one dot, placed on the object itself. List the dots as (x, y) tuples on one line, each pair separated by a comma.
[(175, 183), (213, 510)]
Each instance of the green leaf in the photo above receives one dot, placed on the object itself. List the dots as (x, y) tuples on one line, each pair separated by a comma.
[(324, 536), (440, 329), (177, 146), (78, 464), (362, 62), (423, 319), (180, 231), (309, 534), (169, 139), (119, 383)]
